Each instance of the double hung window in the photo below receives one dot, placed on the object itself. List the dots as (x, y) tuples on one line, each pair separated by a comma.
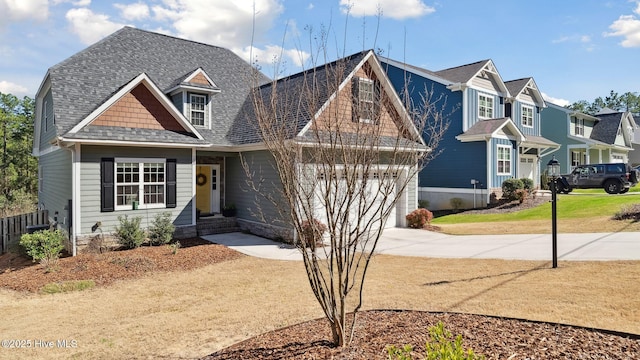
[(485, 106), (504, 160), (197, 109), (141, 180)]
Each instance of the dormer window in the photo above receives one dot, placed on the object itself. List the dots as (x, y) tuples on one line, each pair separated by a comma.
[(579, 127), (197, 108), (527, 116), (485, 106)]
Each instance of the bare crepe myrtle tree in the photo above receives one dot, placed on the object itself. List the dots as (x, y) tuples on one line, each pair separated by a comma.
[(346, 149)]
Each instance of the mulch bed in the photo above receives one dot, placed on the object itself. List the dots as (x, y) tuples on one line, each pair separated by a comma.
[(19, 273), (493, 337)]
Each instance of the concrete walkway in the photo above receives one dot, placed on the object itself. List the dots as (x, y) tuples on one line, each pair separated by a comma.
[(412, 242)]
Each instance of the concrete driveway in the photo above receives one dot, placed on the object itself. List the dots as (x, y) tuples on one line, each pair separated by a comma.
[(412, 242)]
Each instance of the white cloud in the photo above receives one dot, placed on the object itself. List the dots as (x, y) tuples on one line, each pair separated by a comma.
[(220, 22), (12, 88), (557, 101), (18, 10), (395, 9), (79, 3), (628, 27), (137, 11), (90, 27)]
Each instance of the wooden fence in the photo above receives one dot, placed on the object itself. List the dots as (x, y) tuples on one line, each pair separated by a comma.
[(11, 228)]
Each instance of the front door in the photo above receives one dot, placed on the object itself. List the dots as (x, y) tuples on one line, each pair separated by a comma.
[(208, 188)]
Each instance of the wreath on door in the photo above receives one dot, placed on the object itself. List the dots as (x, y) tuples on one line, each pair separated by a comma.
[(201, 179)]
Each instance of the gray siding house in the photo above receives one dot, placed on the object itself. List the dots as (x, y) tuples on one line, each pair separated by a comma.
[(142, 123), (585, 139)]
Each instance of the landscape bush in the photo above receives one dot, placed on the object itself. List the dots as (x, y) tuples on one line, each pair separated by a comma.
[(129, 233), (440, 346), (423, 204), (509, 188), (628, 212), (44, 246), (419, 218), (312, 232), (161, 229), (521, 195), (456, 203), (527, 184)]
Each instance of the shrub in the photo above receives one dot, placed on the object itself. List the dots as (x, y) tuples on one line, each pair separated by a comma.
[(440, 345), (419, 218), (312, 232), (129, 233), (544, 180), (527, 184), (44, 246), (509, 188), (162, 229), (456, 203), (628, 212), (521, 195), (174, 247), (423, 204)]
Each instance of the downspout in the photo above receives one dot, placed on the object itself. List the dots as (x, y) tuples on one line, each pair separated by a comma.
[(74, 187)]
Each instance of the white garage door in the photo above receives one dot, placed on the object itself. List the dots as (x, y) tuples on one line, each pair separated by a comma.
[(377, 199)]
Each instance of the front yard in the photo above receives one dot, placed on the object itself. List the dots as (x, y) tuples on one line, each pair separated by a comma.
[(174, 312)]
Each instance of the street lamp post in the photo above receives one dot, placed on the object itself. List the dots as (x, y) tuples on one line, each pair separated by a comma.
[(553, 169)]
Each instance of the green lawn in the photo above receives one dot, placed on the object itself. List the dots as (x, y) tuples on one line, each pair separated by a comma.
[(572, 206)]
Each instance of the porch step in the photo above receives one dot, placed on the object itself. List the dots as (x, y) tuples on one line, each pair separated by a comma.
[(216, 225)]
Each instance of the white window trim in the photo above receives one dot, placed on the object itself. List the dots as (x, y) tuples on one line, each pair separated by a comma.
[(141, 183), (203, 111), (498, 160), (522, 115), (488, 98), (361, 100), (579, 125)]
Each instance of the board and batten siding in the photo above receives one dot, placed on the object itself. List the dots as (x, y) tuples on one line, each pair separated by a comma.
[(495, 178), (247, 202), (56, 191), (47, 126), (517, 119), (90, 187), (472, 108)]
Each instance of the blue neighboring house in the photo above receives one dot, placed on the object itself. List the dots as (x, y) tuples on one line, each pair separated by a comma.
[(494, 131)]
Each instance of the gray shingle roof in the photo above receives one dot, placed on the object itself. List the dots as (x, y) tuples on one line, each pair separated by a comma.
[(114, 133), (87, 79), (486, 127), (462, 74), (606, 129), (515, 87), (298, 96)]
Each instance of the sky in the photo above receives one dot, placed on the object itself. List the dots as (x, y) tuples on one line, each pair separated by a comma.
[(574, 49)]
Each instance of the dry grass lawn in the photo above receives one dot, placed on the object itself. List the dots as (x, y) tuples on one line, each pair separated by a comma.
[(192, 313), (594, 225)]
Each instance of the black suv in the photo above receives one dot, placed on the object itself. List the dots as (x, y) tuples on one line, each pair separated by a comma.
[(614, 178)]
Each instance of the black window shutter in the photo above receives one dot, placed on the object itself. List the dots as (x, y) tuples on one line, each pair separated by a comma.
[(107, 191), (355, 92), (171, 183), (507, 110)]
